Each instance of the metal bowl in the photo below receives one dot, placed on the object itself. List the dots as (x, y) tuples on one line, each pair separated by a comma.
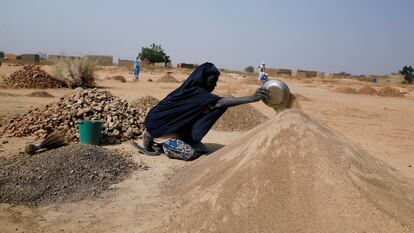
[(280, 94)]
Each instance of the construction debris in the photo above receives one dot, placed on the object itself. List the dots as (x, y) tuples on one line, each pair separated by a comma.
[(122, 122), (70, 173), (31, 77)]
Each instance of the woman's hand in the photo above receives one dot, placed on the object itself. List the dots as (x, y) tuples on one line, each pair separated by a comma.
[(262, 94)]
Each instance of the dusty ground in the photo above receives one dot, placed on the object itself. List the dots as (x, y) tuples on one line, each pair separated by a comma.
[(380, 125)]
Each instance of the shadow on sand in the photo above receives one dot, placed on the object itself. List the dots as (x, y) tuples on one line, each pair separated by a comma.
[(213, 147)]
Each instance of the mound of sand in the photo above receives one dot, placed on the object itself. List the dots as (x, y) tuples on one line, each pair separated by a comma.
[(344, 89), (168, 79), (40, 94), (366, 90), (300, 97), (69, 173), (291, 174), (250, 81), (119, 78), (32, 77), (389, 91), (7, 94), (240, 118)]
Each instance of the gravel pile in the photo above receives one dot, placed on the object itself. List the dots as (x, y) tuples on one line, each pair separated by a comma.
[(31, 77), (70, 173), (121, 121), (240, 118), (145, 103)]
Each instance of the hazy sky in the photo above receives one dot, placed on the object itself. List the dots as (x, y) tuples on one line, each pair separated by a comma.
[(357, 36)]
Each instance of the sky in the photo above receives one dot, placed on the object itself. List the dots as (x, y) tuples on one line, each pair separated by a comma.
[(355, 36)]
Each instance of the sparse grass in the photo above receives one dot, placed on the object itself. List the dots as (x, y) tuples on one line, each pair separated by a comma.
[(76, 72)]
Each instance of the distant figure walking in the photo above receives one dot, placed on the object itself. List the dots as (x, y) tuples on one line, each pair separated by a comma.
[(136, 69), (262, 72)]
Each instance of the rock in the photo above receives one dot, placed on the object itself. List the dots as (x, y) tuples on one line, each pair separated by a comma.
[(31, 76), (136, 131), (80, 113), (130, 132), (97, 108), (115, 132)]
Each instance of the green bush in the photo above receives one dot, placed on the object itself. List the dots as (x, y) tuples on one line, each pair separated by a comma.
[(407, 71), (153, 54), (249, 69)]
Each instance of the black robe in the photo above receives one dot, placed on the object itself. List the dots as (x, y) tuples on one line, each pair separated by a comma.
[(185, 105)]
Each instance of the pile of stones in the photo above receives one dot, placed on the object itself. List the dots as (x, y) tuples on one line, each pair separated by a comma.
[(145, 103), (31, 77), (121, 120)]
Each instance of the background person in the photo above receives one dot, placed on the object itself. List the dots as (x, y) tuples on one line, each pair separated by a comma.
[(262, 72), (136, 69)]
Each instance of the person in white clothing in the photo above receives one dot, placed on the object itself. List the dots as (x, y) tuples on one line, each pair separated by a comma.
[(262, 72)]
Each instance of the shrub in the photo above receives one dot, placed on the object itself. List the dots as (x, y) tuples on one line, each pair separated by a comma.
[(407, 71), (154, 54), (249, 69), (76, 72)]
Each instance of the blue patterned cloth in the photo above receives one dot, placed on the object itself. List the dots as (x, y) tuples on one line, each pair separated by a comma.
[(178, 149)]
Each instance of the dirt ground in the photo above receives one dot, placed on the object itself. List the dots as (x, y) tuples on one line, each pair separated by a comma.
[(381, 126)]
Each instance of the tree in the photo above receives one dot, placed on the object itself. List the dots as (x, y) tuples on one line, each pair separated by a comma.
[(249, 69), (407, 71), (153, 54)]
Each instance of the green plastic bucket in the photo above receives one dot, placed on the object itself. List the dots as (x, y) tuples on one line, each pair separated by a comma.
[(90, 131)]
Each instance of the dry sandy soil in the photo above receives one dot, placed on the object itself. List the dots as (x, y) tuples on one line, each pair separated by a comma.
[(343, 163)]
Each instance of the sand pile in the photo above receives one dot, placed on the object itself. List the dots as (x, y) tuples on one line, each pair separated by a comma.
[(31, 77), (5, 94), (344, 89), (40, 94), (240, 118), (69, 173), (118, 78), (366, 90), (300, 97), (168, 79), (250, 81), (389, 91), (122, 122), (291, 174), (145, 103)]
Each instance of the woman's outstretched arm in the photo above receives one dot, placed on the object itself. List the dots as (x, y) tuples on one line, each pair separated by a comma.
[(225, 102)]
